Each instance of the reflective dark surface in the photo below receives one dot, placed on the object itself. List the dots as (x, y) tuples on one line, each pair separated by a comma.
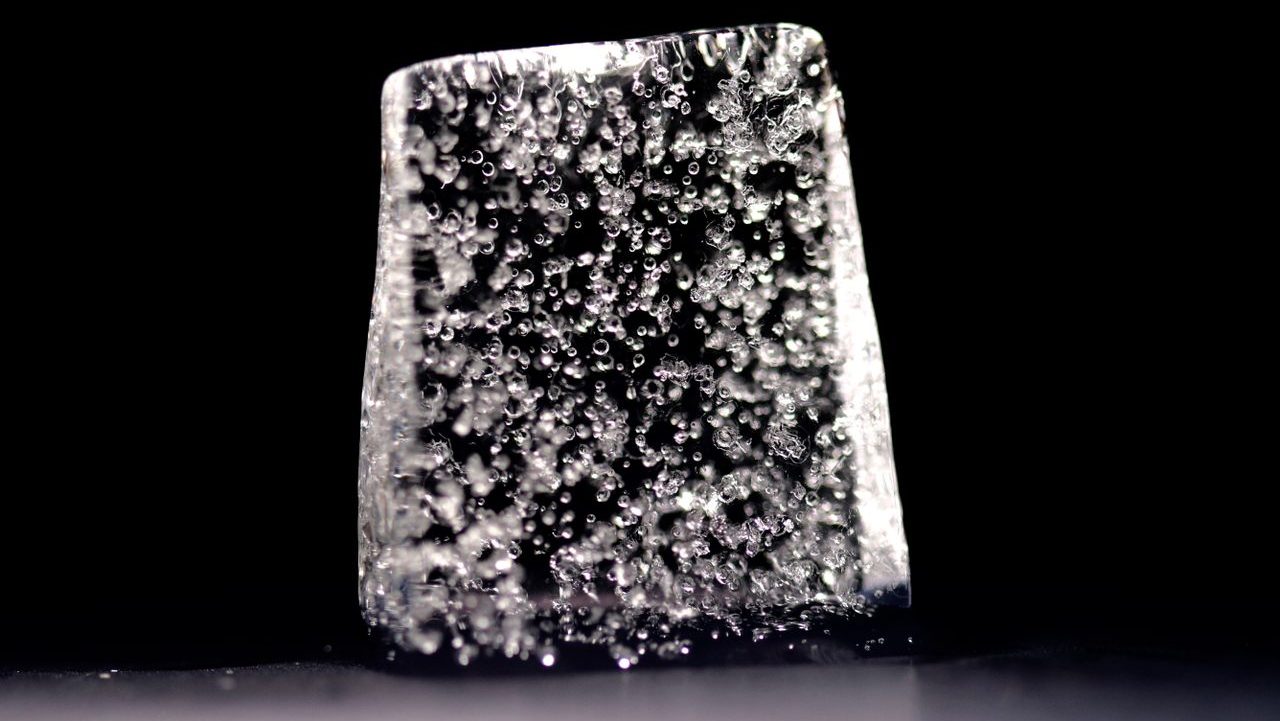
[(1034, 685)]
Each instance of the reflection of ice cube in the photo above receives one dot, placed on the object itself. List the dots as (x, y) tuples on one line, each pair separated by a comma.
[(623, 373)]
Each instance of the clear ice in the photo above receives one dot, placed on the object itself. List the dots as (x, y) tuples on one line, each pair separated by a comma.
[(623, 375)]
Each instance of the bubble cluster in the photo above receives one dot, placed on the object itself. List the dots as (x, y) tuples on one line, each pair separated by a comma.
[(611, 390)]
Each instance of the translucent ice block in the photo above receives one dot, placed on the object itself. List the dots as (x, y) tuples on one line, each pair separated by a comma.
[(623, 375)]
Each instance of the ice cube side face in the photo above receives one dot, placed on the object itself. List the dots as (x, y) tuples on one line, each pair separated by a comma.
[(623, 368)]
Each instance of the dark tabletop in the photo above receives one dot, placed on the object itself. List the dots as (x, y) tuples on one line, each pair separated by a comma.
[(1026, 685)]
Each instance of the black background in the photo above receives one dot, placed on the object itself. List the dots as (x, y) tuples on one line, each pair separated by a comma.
[(1051, 248)]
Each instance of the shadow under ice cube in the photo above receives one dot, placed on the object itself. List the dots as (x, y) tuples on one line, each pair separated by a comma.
[(623, 375)]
